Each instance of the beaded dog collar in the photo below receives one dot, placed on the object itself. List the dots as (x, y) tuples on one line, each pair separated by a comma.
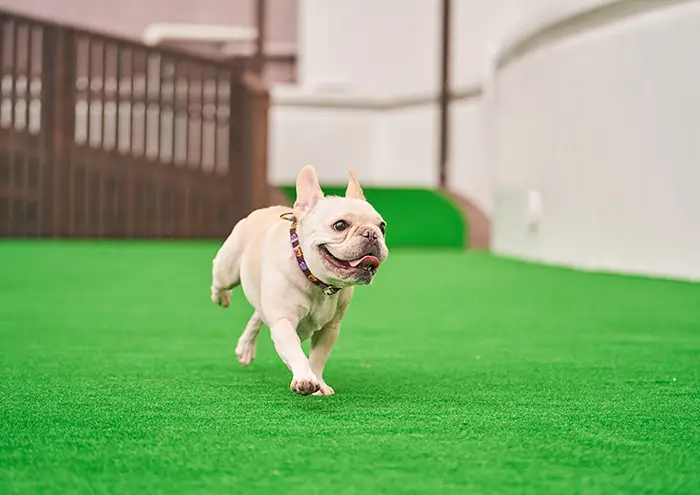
[(329, 290)]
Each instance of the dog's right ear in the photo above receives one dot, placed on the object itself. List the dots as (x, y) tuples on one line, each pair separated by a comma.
[(354, 189), (308, 191)]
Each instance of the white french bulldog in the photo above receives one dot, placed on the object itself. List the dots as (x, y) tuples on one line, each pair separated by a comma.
[(298, 270)]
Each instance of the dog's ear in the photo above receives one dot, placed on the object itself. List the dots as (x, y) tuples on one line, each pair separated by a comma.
[(354, 190), (308, 191)]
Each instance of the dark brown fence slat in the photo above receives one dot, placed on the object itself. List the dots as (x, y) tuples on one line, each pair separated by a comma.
[(87, 176), (187, 184), (100, 181), (24, 162), (160, 228), (132, 106), (4, 157), (202, 116), (174, 193), (13, 155), (38, 183), (236, 150), (217, 106), (129, 150)]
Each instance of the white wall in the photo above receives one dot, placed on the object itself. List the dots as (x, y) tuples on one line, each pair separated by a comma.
[(479, 30), (468, 173), (603, 123), (333, 141), (385, 48), (368, 77)]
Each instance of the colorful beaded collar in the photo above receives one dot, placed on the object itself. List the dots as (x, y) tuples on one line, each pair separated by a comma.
[(329, 290)]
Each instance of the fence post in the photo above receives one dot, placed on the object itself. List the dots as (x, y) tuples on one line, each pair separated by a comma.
[(257, 101), (238, 170), (58, 121)]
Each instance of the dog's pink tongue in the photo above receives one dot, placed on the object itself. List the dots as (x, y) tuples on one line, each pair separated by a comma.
[(365, 261)]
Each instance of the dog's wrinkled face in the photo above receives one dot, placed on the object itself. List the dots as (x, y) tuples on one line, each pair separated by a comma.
[(346, 237), (343, 239)]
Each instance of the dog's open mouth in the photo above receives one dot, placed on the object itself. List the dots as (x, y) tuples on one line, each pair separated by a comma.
[(368, 262)]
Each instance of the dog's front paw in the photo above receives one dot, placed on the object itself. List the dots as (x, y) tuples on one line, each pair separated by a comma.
[(245, 352), (305, 385), (325, 390), (222, 297)]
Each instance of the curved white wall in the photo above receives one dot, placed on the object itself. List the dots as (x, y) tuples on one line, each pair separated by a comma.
[(480, 29), (603, 121)]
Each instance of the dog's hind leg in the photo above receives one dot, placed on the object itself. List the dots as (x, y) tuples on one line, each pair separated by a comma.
[(245, 350), (226, 267)]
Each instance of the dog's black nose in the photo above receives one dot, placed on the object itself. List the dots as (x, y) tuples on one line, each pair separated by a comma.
[(370, 234)]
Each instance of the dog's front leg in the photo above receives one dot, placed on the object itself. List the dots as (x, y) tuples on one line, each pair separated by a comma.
[(322, 343), (288, 347)]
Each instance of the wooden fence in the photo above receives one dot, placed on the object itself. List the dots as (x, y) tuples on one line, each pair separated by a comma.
[(104, 137)]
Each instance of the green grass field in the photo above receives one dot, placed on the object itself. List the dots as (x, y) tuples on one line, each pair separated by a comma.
[(455, 373)]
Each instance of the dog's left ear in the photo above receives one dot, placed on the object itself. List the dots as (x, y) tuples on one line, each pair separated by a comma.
[(354, 190)]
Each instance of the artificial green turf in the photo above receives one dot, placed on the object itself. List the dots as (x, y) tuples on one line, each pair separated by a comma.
[(455, 373), (406, 208)]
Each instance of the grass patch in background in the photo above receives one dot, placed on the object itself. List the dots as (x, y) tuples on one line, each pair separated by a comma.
[(415, 217), (456, 372)]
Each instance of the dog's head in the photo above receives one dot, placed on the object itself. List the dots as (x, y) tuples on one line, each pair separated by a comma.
[(342, 238)]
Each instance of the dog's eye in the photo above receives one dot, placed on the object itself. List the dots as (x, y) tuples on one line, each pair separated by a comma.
[(382, 227), (340, 225)]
